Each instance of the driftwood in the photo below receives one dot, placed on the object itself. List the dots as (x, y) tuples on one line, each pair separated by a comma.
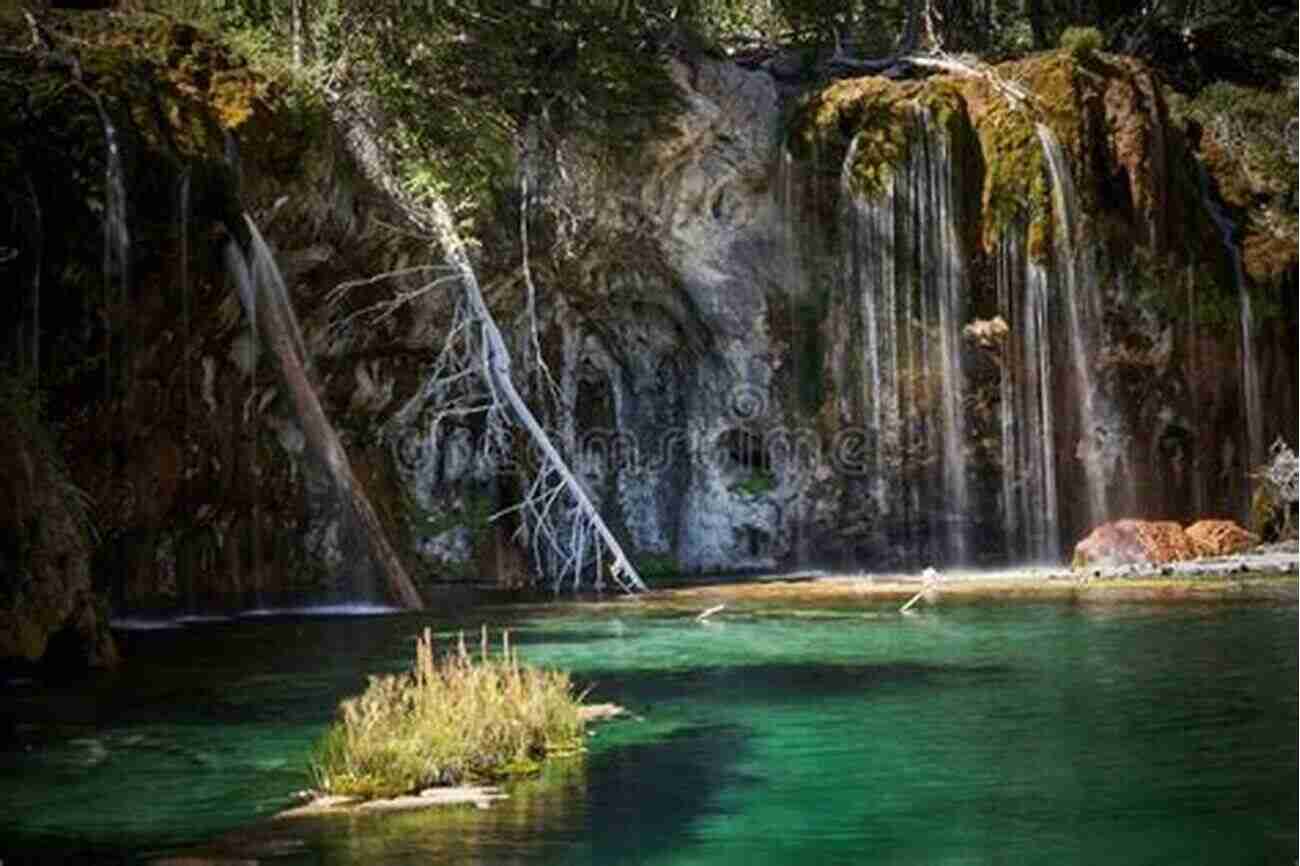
[(929, 577), (704, 616)]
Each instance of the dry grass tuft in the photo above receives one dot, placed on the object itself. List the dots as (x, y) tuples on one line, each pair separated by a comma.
[(454, 718)]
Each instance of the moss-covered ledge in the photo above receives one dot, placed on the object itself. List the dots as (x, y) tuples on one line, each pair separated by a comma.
[(1107, 111)]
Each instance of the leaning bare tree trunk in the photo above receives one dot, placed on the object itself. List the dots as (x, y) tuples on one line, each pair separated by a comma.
[(358, 120), (497, 368), (265, 306)]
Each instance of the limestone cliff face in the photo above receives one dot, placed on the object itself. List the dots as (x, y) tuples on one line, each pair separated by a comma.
[(937, 326), (880, 324)]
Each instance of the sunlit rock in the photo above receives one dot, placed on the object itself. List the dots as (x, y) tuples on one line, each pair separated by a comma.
[(1221, 537), (1134, 542)]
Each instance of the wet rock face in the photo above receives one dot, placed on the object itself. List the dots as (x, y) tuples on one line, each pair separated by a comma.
[(689, 497), (48, 609), (723, 397), (904, 426)]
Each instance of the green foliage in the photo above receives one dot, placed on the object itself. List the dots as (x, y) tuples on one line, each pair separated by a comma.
[(1257, 129), (24, 403), (452, 719), (1013, 39), (461, 80), (651, 566), (867, 110), (23, 411), (1204, 296), (757, 483), (1082, 42)]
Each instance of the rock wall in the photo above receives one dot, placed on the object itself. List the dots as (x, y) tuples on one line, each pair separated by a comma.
[(829, 327), (48, 610), (1101, 370)]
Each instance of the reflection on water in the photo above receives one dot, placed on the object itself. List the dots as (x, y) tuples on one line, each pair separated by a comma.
[(1034, 734)]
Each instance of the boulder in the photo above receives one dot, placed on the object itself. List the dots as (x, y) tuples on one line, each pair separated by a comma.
[(1134, 542), (1221, 537)]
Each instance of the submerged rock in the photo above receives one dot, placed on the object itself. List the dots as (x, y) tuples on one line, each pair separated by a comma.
[(479, 796)]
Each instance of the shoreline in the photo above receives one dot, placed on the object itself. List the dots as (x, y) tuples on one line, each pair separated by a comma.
[(1259, 576)]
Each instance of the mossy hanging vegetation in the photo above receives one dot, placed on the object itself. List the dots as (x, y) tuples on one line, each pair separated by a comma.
[(452, 719), (868, 110), (1106, 111), (1016, 187), (1248, 146), (177, 83)]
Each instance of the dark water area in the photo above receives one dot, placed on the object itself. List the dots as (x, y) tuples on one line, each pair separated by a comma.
[(771, 734)]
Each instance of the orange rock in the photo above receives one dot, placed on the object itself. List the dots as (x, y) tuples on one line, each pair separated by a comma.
[(1220, 537), (1134, 542)]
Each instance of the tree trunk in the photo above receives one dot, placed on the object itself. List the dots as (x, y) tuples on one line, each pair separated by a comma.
[(358, 119), (497, 368), (265, 305)]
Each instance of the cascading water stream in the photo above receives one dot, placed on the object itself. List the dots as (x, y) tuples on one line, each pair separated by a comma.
[(952, 288), (1030, 500), (117, 246), (116, 263), (793, 277), (183, 234), (183, 239), (1252, 396), (905, 262), (1078, 286), (38, 248), (265, 298)]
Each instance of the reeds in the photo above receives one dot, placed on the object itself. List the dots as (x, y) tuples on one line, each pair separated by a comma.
[(454, 718)]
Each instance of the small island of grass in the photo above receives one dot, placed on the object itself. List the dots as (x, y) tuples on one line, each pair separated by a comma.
[(454, 719)]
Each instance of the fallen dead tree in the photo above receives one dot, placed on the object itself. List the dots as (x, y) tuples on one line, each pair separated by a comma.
[(471, 375)]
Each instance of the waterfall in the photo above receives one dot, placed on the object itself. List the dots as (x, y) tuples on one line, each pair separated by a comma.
[(1077, 283), (265, 298), (905, 263), (183, 235), (1030, 499), (117, 247), (952, 288), (116, 262), (183, 282), (33, 355), (1047, 389), (1251, 394), (793, 276)]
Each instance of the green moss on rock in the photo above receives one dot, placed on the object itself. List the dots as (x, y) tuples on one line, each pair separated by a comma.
[(870, 110)]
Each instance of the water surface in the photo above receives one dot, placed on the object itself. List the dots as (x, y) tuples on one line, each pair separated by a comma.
[(973, 735)]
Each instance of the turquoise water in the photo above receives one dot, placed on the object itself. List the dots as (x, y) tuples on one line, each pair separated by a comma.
[(974, 735)]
